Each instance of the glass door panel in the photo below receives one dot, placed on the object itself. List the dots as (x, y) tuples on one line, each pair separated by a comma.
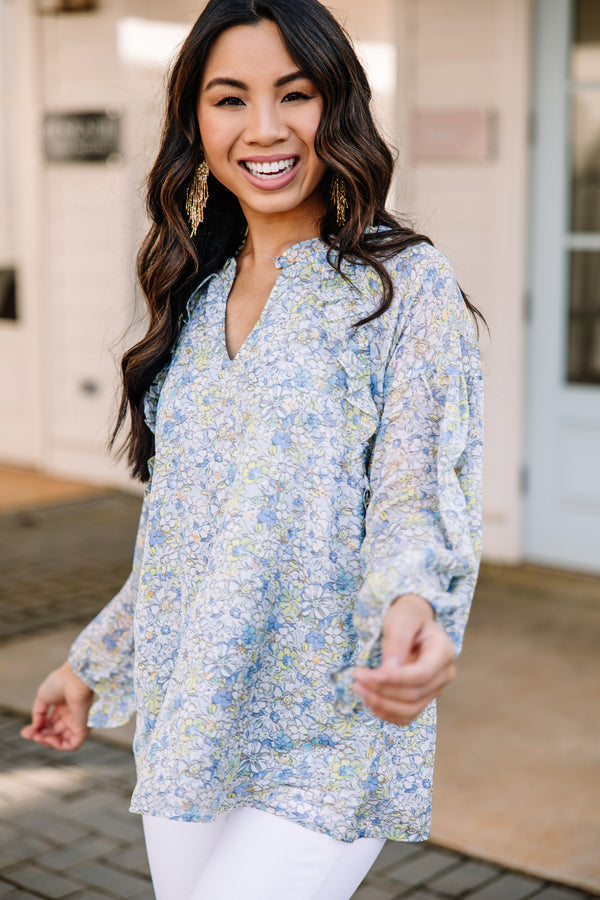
[(585, 61), (584, 317), (585, 160), (583, 238), (562, 525)]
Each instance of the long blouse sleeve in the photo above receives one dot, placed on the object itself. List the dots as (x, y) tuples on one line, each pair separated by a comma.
[(423, 522), (102, 655)]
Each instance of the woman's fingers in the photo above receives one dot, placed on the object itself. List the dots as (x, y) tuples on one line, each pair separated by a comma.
[(60, 711), (39, 718), (399, 687), (59, 732), (399, 707), (398, 692), (395, 702), (411, 678), (402, 626), (28, 732), (391, 710), (433, 653)]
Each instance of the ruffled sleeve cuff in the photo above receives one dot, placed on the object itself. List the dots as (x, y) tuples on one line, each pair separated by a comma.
[(114, 703), (446, 582), (102, 656)]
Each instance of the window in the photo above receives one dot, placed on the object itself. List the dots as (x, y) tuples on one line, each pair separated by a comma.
[(584, 238), (8, 294)]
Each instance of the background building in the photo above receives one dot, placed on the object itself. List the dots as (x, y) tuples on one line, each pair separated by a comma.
[(494, 106)]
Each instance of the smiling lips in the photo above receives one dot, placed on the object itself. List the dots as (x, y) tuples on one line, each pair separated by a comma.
[(271, 169)]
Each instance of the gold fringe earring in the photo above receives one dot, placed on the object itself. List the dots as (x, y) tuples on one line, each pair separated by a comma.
[(197, 197), (339, 199)]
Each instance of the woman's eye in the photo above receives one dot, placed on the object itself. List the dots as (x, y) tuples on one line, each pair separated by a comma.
[(230, 101), (295, 95)]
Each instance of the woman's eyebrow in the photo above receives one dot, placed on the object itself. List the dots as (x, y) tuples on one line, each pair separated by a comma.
[(223, 81), (293, 76), (226, 82)]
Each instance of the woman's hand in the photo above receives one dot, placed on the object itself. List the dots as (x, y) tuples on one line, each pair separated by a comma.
[(60, 711), (418, 662)]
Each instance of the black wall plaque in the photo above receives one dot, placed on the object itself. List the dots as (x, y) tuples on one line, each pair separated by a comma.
[(81, 136), (46, 7)]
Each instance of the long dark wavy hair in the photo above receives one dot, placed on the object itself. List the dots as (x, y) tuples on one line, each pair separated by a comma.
[(170, 263)]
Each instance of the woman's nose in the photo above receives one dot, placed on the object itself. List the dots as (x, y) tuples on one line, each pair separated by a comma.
[(266, 124)]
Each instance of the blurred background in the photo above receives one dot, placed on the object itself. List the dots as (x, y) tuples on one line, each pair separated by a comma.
[(494, 108)]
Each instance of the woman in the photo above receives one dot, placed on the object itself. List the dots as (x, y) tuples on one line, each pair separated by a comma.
[(306, 408)]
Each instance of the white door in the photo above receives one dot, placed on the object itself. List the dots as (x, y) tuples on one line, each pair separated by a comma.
[(20, 424), (563, 494)]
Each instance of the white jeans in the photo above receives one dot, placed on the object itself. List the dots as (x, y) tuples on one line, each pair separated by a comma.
[(250, 854)]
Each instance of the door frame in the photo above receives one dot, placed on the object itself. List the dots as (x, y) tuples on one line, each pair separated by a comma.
[(553, 403)]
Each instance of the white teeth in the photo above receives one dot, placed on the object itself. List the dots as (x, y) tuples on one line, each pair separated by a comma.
[(267, 169)]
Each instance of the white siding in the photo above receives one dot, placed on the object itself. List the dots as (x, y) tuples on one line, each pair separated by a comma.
[(474, 55), (86, 258), (78, 226), (20, 208)]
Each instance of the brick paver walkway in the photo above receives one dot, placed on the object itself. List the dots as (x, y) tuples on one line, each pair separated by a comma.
[(63, 563), (65, 832), (65, 829)]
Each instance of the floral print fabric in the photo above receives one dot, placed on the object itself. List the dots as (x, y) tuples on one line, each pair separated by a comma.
[(296, 491)]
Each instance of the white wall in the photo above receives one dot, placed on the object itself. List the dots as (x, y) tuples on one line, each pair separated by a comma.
[(89, 219), (372, 27), (79, 226), (20, 407), (474, 55)]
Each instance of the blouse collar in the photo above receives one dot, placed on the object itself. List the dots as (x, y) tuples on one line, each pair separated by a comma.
[(301, 251), (311, 248)]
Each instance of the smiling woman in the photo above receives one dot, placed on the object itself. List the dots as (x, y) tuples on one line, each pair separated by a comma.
[(306, 409), (258, 129)]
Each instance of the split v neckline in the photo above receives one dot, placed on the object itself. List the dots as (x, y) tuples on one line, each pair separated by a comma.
[(253, 334)]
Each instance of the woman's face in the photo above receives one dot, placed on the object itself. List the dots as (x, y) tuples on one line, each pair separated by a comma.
[(258, 117)]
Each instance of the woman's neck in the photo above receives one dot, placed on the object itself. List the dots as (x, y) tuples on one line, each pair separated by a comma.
[(269, 236)]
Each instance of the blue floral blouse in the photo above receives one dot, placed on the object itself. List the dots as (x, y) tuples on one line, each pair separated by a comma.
[(296, 491)]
